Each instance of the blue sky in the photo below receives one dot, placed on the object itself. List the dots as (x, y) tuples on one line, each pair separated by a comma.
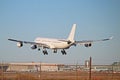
[(28, 19)]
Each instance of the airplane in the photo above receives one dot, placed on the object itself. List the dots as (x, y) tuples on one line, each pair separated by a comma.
[(55, 44)]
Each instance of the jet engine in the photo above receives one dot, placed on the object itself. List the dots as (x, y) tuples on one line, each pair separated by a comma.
[(88, 45), (33, 46), (19, 44)]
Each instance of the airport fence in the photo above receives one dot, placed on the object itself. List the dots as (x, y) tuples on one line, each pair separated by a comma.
[(57, 72)]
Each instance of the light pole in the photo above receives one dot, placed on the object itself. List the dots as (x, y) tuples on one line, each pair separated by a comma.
[(90, 68)]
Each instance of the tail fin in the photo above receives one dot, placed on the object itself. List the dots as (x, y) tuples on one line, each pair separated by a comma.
[(72, 33)]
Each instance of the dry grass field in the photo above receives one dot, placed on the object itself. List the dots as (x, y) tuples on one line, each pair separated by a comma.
[(68, 75)]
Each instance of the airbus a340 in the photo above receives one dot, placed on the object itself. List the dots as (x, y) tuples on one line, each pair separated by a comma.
[(55, 44)]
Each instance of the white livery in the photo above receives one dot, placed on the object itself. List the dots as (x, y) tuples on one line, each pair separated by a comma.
[(55, 44)]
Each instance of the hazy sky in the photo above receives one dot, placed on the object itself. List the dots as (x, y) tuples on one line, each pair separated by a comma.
[(28, 19)]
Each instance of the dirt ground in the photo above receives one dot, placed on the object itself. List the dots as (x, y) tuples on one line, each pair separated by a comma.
[(66, 75)]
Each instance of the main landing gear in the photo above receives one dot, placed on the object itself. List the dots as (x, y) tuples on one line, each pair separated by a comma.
[(63, 52), (54, 51), (45, 52)]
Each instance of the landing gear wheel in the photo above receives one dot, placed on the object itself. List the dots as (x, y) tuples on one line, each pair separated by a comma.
[(55, 51), (45, 52), (38, 49), (63, 52)]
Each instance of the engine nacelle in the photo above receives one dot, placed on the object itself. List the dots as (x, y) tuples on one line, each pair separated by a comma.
[(19, 44), (33, 46), (88, 45)]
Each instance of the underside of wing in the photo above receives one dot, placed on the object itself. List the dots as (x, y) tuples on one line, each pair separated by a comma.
[(20, 43), (88, 43)]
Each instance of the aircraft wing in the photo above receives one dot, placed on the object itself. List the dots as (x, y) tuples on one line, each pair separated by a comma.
[(32, 43), (91, 41)]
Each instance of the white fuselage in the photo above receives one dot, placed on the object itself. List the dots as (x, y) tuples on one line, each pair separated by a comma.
[(53, 43)]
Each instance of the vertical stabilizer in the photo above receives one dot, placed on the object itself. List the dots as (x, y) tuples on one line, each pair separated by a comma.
[(72, 33)]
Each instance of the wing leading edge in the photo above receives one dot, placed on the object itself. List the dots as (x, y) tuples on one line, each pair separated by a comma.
[(32, 43), (91, 41)]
